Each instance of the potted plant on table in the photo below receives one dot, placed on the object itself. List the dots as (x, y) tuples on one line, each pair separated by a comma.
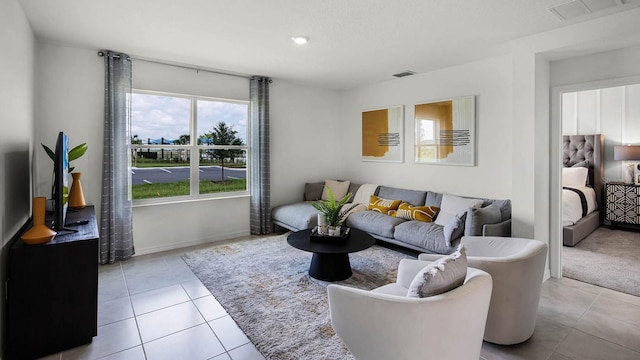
[(331, 214), (76, 196)]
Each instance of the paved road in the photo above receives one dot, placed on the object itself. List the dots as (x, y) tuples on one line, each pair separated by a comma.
[(171, 174)]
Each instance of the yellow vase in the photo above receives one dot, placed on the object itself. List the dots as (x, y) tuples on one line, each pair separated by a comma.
[(76, 196), (39, 233)]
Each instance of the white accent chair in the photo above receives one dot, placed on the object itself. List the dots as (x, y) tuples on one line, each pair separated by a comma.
[(386, 324), (517, 268)]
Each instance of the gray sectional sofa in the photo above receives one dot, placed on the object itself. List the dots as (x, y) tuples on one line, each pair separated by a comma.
[(491, 218)]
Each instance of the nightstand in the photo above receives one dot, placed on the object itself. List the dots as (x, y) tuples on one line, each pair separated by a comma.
[(623, 203)]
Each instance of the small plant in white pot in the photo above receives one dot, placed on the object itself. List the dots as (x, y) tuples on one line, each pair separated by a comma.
[(331, 214)]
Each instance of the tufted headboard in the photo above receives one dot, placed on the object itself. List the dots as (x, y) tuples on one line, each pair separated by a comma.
[(587, 151)]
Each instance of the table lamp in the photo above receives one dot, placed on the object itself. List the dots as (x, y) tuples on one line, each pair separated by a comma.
[(629, 152)]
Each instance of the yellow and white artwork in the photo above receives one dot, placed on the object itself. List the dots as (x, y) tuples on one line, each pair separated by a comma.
[(383, 134), (445, 132)]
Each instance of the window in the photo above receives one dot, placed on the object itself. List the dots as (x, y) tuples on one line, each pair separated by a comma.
[(187, 146), (426, 140)]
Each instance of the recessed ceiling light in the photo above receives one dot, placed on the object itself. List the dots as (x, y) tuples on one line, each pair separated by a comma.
[(300, 40)]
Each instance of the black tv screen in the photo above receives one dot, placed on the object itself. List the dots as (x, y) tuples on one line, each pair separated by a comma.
[(60, 182)]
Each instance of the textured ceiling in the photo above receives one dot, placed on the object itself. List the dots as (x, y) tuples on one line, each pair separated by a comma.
[(353, 42)]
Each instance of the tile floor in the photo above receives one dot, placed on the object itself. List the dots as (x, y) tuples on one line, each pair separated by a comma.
[(153, 307)]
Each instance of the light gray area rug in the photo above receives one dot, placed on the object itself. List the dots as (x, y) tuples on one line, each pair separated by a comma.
[(264, 285), (607, 258)]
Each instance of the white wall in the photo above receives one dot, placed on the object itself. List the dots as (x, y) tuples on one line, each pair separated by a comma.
[(606, 65), (613, 112), (305, 139), (70, 90), (17, 98), (489, 80)]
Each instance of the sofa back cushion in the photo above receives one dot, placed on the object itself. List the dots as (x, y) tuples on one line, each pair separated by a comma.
[(413, 197), (477, 218), (435, 199), (313, 191), (453, 205)]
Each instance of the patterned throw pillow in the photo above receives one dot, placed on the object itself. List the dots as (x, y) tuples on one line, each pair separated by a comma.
[(411, 212), (383, 205)]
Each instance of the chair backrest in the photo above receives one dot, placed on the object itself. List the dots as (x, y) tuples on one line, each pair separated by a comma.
[(446, 326), (517, 267)]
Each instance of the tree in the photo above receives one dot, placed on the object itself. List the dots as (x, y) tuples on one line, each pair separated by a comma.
[(182, 140), (224, 134)]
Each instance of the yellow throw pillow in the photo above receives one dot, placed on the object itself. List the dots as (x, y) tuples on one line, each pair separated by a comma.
[(383, 205), (421, 213)]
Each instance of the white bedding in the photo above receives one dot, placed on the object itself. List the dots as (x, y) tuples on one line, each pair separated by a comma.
[(572, 206)]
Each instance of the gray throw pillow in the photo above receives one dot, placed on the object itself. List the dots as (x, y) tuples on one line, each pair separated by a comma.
[(440, 276), (313, 191), (454, 228), (476, 218)]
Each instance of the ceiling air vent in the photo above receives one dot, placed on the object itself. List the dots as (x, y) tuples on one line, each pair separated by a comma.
[(577, 8), (404, 73)]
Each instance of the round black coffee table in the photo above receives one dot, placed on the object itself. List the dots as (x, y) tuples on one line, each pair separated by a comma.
[(330, 261)]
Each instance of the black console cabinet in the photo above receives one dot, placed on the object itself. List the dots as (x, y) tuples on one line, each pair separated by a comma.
[(52, 291)]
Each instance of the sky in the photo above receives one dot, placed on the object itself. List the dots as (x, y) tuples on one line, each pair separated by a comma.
[(155, 116)]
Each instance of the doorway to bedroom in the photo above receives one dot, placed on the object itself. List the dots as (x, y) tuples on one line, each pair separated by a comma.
[(599, 253)]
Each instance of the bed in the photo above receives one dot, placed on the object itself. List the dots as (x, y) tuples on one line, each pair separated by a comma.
[(580, 219)]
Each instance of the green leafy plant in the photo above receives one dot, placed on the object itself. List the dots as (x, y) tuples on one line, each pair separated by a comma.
[(331, 208), (74, 153)]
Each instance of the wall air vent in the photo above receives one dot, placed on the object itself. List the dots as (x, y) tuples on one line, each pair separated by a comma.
[(404, 73)]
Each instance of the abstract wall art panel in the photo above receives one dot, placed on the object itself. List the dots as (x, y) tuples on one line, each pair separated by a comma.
[(383, 134), (445, 132)]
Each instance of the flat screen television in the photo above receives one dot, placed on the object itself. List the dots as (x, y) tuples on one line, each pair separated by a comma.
[(60, 182)]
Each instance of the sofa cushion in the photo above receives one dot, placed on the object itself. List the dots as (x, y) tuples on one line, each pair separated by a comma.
[(382, 205), (413, 197), (476, 218), (313, 191), (433, 199), (453, 205), (339, 188), (297, 216), (504, 205), (454, 228), (374, 223), (411, 212), (428, 236), (440, 276)]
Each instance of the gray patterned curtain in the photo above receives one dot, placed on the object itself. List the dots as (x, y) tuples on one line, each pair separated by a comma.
[(116, 224), (260, 164)]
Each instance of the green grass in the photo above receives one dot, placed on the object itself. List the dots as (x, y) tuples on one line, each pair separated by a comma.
[(181, 188)]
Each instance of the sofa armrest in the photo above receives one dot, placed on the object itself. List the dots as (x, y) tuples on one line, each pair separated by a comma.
[(498, 229)]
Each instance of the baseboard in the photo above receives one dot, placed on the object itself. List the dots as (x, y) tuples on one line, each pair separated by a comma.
[(547, 275), (184, 244)]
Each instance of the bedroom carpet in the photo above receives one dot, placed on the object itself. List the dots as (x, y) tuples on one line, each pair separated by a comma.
[(608, 258), (263, 284)]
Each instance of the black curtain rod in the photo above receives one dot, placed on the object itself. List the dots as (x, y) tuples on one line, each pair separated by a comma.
[(197, 69)]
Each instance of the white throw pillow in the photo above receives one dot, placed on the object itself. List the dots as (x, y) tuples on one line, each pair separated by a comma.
[(440, 276), (339, 188), (575, 176), (452, 205)]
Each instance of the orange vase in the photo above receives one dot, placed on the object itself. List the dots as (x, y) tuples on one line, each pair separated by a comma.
[(76, 196), (39, 233)]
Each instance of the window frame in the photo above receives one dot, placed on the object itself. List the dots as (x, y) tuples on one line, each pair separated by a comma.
[(194, 148)]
